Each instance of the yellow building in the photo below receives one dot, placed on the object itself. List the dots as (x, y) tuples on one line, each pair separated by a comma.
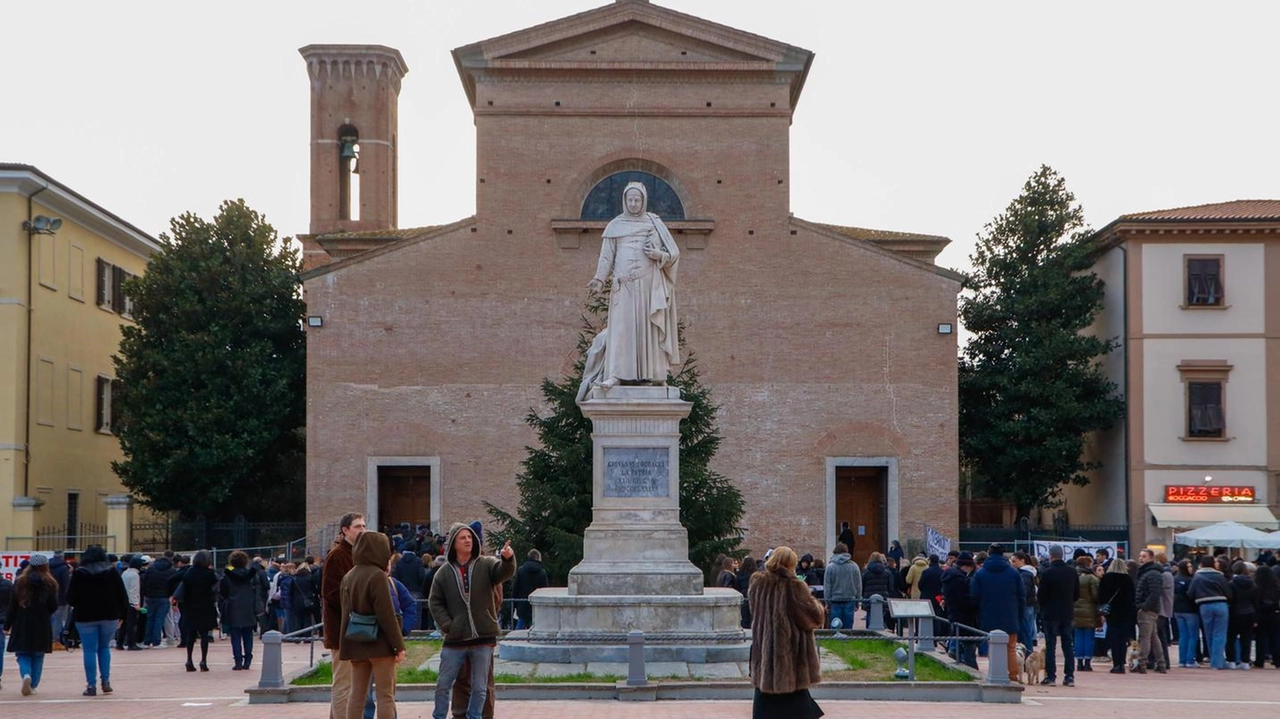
[(62, 259)]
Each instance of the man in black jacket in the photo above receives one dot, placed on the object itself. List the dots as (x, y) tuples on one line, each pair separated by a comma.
[(960, 608), (1149, 587), (1059, 589), (155, 596), (410, 572), (530, 577)]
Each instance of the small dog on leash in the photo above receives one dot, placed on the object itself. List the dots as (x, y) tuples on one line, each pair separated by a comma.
[(1133, 658), (1033, 666)]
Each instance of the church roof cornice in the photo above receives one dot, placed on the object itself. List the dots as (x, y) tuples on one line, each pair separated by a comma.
[(755, 52), (875, 241), (402, 238)]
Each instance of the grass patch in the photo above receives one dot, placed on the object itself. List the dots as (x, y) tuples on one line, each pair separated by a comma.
[(872, 661), (415, 654)]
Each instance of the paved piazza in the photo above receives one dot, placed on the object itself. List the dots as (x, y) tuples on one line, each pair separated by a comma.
[(152, 684)]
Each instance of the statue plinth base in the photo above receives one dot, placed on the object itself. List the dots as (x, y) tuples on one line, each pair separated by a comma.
[(635, 572)]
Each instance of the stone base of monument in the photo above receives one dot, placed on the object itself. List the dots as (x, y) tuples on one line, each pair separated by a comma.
[(569, 628), (635, 572)]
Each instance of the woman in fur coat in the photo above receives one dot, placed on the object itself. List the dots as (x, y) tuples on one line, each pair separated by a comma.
[(784, 655)]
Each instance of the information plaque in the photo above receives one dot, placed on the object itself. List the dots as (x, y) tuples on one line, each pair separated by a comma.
[(636, 472), (910, 608)]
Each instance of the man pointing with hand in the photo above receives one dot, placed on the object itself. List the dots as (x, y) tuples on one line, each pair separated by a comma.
[(462, 603)]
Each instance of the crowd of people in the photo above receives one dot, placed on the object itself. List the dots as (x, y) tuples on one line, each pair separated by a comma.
[(1217, 611)]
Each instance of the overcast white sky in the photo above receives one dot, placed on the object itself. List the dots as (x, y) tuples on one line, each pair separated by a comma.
[(917, 116)]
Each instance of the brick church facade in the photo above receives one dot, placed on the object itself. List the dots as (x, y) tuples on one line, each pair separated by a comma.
[(822, 343)]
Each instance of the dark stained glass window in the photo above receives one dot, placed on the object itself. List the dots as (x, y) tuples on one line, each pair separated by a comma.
[(604, 202)]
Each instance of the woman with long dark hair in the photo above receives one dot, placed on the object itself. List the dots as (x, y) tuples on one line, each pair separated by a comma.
[(1186, 615), (1115, 591), (198, 597), (784, 654), (99, 604), (241, 591), (31, 607)]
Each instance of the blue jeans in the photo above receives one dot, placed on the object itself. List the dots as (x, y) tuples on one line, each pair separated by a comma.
[(1055, 631), (451, 659), (58, 621), (95, 644), (1214, 616), (241, 644), (1027, 632), (844, 612), (157, 612), (31, 664), (1188, 634), (1084, 643)]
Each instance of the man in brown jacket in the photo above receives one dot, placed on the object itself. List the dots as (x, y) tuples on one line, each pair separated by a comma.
[(337, 563), (462, 603)]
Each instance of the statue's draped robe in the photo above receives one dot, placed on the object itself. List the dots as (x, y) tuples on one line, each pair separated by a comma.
[(640, 341)]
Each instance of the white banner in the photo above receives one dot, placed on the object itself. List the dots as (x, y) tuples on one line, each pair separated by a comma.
[(11, 561), (1069, 548), (936, 543)]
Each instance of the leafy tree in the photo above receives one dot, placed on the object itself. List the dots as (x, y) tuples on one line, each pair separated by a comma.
[(1031, 388), (211, 377), (555, 485)]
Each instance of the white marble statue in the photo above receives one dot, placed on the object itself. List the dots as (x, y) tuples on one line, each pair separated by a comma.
[(639, 343)]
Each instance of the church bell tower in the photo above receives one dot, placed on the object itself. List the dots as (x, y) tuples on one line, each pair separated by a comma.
[(354, 95)]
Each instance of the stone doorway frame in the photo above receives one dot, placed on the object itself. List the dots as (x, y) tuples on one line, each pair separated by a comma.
[(892, 504), (371, 485)]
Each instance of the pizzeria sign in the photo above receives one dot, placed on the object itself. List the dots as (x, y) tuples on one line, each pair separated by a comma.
[(1205, 494)]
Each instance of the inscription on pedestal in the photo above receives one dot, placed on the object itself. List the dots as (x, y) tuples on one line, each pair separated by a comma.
[(636, 471)]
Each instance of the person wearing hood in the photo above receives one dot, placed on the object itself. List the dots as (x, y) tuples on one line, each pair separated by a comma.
[(28, 620), (242, 589), (959, 607), (462, 603), (410, 571), (912, 579), (997, 590), (843, 584), (366, 590), (155, 596), (98, 603)]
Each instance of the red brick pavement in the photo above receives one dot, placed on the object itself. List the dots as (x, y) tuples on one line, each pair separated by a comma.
[(152, 684)]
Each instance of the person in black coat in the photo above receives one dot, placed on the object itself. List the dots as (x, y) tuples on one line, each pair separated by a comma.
[(241, 590), (877, 578), (1059, 589), (155, 597), (98, 603), (1116, 591), (410, 571), (28, 620), (846, 537), (196, 596), (930, 584), (959, 607), (1243, 613), (530, 577)]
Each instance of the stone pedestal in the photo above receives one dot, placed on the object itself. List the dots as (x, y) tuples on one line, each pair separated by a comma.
[(119, 521), (635, 573), (24, 523), (636, 544)]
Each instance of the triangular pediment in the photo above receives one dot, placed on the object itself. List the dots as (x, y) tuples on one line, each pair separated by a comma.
[(633, 41)]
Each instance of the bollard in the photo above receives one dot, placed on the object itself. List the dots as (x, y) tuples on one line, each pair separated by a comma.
[(998, 658), (875, 613), (635, 659), (924, 635), (272, 661)]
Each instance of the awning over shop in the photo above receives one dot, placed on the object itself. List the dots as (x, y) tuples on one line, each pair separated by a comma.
[(1189, 516)]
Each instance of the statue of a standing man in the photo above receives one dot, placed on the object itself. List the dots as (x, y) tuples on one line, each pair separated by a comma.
[(639, 344)]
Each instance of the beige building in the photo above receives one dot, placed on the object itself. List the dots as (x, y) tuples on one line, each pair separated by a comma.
[(62, 259), (828, 347), (1193, 294)]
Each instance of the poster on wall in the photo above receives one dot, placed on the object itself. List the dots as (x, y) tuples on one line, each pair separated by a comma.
[(10, 562), (936, 542)]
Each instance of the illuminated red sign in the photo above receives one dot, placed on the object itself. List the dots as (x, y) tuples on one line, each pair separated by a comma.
[(1206, 494)]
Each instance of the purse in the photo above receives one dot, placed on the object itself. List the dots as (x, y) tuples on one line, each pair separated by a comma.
[(1105, 608), (362, 627)]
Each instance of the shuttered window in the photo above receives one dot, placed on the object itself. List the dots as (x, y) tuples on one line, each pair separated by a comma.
[(1205, 417), (1204, 281), (105, 412)]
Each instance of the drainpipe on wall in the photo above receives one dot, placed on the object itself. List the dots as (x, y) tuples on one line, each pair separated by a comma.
[(31, 271), (1128, 483)]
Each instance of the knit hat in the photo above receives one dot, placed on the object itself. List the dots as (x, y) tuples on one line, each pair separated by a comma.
[(39, 560), (479, 530), (965, 559)]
